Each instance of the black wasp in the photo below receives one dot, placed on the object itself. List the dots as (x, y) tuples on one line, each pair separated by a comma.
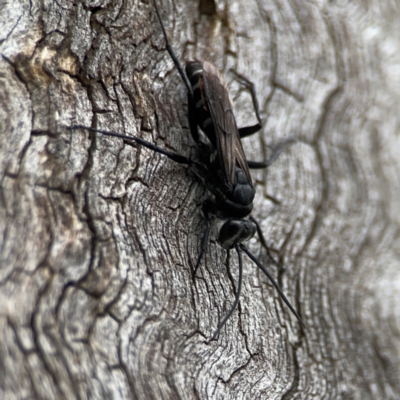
[(222, 167)]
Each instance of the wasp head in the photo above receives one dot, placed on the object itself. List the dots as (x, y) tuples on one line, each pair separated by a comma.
[(236, 231)]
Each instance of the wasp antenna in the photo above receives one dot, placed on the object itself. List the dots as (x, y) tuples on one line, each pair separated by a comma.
[(172, 54), (173, 156), (239, 288), (264, 242), (269, 276), (204, 245)]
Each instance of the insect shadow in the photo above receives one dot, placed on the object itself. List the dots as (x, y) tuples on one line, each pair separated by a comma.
[(222, 167)]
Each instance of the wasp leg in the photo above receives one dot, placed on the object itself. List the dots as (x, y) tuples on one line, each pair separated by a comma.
[(204, 242), (239, 289), (193, 121), (249, 130), (276, 152), (256, 164), (173, 156), (172, 54)]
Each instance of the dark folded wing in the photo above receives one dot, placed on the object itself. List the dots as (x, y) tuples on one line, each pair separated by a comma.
[(229, 146)]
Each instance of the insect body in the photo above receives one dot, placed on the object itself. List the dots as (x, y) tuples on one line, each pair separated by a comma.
[(222, 168), (215, 117), (225, 170)]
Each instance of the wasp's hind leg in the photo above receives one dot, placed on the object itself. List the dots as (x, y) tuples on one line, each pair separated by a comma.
[(172, 53), (276, 151), (249, 130)]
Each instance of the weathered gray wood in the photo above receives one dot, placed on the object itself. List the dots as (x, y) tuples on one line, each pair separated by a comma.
[(98, 237)]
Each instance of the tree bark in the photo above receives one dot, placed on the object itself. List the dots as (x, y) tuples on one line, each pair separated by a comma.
[(98, 236)]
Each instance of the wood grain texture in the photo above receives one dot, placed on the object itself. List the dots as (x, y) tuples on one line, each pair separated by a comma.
[(98, 236)]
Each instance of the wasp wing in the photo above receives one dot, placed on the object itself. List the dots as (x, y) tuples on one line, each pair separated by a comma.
[(219, 104)]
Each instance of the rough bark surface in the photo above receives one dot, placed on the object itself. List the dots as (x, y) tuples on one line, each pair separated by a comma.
[(98, 236)]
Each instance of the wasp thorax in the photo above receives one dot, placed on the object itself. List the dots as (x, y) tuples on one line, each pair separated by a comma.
[(243, 192)]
